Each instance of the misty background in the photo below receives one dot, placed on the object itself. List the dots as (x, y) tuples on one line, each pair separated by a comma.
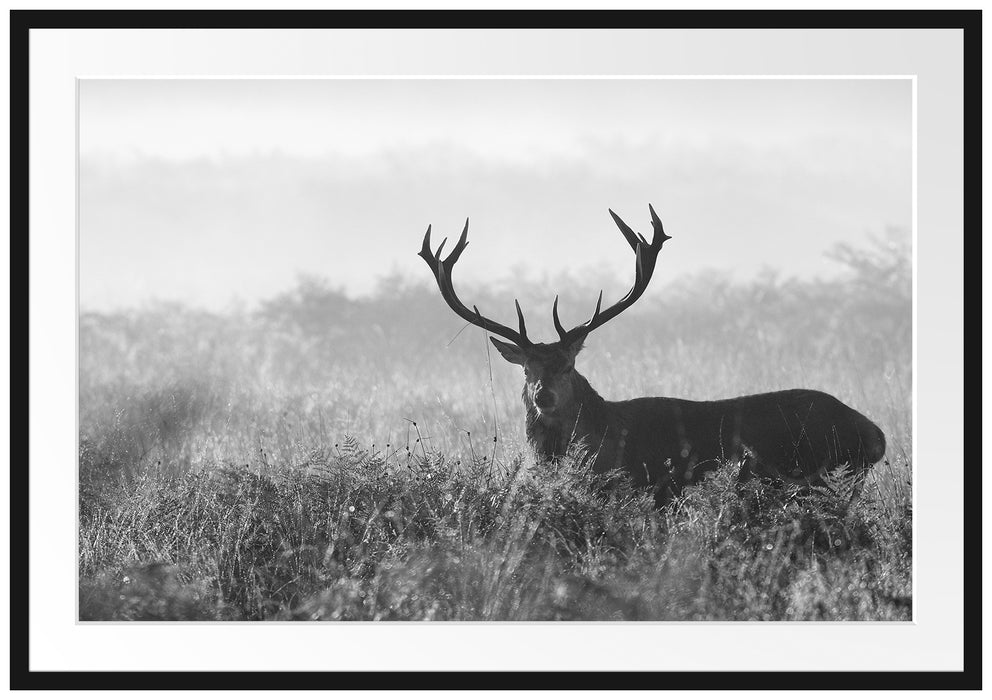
[(218, 192)]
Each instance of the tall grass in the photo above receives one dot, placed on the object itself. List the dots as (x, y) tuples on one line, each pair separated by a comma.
[(321, 457)]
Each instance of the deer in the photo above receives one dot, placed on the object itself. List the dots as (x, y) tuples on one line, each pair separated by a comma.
[(792, 436)]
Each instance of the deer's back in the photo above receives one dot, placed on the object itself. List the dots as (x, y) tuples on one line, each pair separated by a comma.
[(785, 431)]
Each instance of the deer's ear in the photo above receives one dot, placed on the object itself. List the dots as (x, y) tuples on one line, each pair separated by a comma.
[(509, 351)]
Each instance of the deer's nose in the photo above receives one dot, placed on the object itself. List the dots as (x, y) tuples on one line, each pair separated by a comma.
[(545, 398)]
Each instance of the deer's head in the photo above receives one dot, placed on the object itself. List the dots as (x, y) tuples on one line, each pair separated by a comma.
[(548, 372), (548, 367)]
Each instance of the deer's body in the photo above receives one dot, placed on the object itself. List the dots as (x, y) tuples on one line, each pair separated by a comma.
[(795, 435)]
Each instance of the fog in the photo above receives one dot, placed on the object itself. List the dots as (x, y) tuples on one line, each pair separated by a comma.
[(214, 192)]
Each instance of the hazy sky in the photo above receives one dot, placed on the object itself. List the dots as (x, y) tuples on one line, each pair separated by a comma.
[(207, 191)]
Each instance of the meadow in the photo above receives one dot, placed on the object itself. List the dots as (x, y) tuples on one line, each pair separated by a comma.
[(319, 457)]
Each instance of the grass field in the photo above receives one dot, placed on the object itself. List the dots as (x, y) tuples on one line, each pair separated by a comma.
[(320, 457)]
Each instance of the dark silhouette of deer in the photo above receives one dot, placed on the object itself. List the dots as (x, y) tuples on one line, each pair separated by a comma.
[(795, 436)]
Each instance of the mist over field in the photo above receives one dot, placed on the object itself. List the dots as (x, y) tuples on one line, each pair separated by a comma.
[(311, 421)]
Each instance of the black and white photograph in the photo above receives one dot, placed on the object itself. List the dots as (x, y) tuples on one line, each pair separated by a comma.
[(364, 350), (670, 380)]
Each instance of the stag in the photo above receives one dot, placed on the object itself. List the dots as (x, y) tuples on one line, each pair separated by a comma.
[(794, 436)]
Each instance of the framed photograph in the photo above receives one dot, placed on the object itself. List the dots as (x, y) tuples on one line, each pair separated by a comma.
[(692, 402)]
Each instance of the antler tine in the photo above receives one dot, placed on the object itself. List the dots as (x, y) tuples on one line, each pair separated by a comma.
[(425, 249), (562, 333), (645, 254), (632, 238), (442, 274), (520, 319), (461, 245), (659, 230)]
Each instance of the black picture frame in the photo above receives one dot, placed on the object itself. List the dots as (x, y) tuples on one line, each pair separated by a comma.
[(21, 24)]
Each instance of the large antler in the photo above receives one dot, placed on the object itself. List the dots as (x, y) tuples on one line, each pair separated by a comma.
[(442, 273), (646, 254)]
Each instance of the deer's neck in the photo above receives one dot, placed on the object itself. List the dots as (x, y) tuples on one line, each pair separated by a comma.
[(584, 419)]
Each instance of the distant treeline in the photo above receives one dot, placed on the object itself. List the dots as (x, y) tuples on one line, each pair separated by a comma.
[(871, 305)]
